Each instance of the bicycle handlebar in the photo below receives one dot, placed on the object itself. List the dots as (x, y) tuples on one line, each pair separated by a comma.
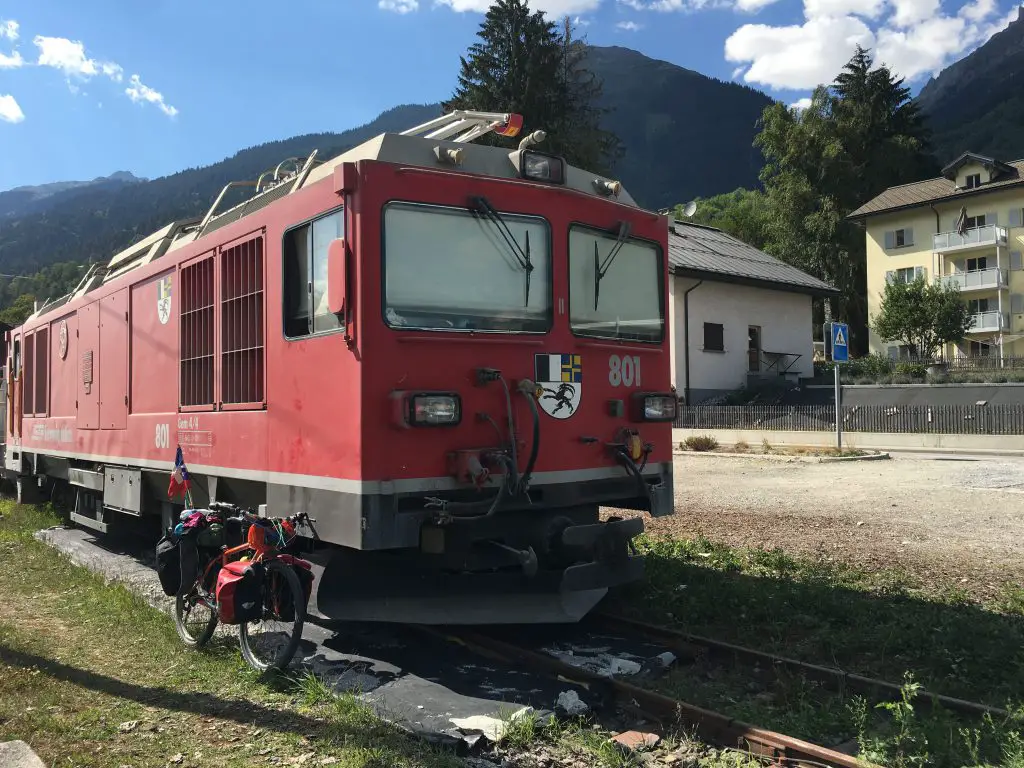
[(245, 513)]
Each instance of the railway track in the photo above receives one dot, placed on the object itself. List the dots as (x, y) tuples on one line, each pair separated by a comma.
[(670, 714), (687, 645)]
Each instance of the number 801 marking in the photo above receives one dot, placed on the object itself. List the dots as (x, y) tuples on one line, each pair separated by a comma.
[(624, 371), (162, 439)]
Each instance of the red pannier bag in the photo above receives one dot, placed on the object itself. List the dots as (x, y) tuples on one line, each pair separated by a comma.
[(304, 571), (240, 592)]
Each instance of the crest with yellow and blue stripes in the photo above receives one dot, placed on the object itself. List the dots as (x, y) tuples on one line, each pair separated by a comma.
[(559, 381)]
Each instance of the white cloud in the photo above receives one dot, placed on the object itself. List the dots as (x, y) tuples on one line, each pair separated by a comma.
[(914, 38), (9, 29), (398, 6), (10, 111), (750, 6), (66, 55), (629, 26), (870, 9), (550, 7), (579, 21), (139, 93), (801, 103), (11, 62), (797, 57)]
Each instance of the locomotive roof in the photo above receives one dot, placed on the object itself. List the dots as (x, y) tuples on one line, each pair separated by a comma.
[(475, 159)]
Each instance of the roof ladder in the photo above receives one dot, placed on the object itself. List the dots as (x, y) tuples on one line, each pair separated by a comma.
[(468, 125)]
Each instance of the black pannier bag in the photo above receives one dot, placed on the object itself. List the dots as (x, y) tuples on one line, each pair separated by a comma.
[(168, 564)]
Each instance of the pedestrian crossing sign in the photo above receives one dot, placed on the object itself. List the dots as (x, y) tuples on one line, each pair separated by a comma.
[(840, 342)]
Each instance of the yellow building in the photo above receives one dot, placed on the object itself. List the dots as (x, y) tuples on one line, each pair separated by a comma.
[(966, 228)]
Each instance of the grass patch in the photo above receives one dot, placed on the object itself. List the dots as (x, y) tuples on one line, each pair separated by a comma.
[(92, 676), (874, 623)]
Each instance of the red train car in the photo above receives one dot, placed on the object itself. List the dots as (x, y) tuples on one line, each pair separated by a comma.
[(449, 354)]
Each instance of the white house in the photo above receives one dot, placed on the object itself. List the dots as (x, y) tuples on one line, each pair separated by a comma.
[(736, 313)]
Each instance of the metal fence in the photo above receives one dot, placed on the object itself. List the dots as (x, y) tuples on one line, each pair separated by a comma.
[(907, 419)]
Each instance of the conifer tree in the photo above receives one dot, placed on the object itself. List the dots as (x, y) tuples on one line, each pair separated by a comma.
[(524, 63)]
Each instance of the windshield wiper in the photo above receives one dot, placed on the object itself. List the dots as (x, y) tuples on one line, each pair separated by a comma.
[(522, 256), (601, 268)]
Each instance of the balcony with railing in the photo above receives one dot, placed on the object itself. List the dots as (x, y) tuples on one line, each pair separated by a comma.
[(987, 236), (977, 280), (989, 322)]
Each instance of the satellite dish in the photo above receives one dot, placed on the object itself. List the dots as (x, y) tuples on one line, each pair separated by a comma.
[(690, 209)]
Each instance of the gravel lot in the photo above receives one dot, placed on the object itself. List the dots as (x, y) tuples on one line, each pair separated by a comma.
[(949, 523)]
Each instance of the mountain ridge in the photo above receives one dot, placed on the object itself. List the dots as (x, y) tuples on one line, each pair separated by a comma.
[(668, 159)]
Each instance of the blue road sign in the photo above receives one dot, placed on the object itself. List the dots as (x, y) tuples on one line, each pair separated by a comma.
[(840, 342)]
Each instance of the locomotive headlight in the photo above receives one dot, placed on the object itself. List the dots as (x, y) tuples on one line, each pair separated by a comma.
[(654, 407), (543, 167), (426, 409), (537, 166), (435, 410)]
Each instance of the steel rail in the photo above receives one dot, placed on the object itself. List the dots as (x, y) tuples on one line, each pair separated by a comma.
[(711, 727), (837, 678)]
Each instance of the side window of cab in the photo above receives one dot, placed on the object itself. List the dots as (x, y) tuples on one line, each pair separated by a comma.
[(306, 312)]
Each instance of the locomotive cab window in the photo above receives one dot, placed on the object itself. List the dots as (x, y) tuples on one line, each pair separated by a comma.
[(615, 286), (455, 269), (305, 276)]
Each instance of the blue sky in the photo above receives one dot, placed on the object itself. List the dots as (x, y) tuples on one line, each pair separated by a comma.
[(88, 87)]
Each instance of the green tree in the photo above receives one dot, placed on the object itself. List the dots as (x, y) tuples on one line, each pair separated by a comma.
[(858, 137), (523, 63), (18, 312), (924, 316), (741, 213)]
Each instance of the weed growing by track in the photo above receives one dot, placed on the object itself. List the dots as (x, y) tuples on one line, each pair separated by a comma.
[(876, 624)]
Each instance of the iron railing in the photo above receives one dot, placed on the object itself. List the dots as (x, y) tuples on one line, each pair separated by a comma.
[(1003, 419), (989, 234)]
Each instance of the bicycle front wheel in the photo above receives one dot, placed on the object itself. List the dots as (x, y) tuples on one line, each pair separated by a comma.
[(271, 641), (194, 619)]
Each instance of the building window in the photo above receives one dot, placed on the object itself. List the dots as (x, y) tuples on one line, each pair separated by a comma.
[(981, 349), (973, 222), (901, 352), (975, 265), (972, 181), (305, 276), (905, 275), (899, 238), (977, 306), (714, 337)]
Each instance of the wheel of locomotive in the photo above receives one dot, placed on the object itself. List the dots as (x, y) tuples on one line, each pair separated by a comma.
[(204, 626), (280, 578), (551, 550)]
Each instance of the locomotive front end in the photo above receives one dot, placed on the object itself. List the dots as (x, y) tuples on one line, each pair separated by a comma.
[(517, 401)]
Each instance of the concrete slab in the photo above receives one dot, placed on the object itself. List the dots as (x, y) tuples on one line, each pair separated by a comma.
[(413, 680), (18, 754)]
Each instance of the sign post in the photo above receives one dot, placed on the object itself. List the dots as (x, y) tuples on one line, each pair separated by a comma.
[(839, 336)]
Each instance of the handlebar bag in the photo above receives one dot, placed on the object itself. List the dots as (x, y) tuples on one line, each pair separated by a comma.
[(240, 592)]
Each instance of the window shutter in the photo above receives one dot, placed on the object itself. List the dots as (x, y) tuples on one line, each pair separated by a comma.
[(908, 235), (990, 218), (1015, 260), (1015, 217), (1017, 303), (894, 353), (890, 240), (919, 272), (889, 276)]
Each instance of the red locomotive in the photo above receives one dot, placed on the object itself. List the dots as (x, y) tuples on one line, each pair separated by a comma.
[(449, 354)]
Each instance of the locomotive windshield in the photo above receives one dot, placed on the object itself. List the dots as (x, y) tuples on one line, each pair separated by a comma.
[(456, 269), (614, 286)]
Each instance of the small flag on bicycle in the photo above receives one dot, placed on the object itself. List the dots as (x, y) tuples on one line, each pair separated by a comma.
[(180, 482)]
